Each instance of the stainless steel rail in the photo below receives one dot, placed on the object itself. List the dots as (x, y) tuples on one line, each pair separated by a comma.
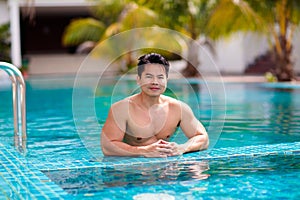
[(19, 104)]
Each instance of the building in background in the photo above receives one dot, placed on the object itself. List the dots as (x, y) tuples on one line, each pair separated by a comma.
[(36, 32), (37, 28)]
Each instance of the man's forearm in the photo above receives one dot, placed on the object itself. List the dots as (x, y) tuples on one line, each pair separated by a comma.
[(117, 148), (196, 143)]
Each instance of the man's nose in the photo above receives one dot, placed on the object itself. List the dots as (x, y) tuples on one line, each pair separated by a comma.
[(155, 81)]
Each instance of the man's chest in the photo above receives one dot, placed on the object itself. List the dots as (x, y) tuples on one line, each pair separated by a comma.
[(160, 123)]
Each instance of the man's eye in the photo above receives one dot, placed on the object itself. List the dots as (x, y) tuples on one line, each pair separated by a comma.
[(148, 76)]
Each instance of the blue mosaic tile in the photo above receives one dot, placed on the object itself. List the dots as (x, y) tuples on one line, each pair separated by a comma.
[(23, 179)]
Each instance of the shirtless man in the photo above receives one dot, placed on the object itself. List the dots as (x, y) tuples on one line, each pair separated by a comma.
[(141, 125)]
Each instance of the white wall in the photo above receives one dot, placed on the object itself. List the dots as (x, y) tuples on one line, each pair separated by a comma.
[(253, 46), (229, 57), (230, 54), (296, 51), (234, 54), (4, 15)]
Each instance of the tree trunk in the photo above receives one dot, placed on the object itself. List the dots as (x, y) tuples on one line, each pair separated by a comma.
[(283, 64), (191, 69)]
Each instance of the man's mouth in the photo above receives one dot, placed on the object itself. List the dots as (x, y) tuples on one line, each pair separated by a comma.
[(154, 88)]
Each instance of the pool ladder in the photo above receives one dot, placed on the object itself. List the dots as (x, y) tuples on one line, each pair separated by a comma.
[(19, 105)]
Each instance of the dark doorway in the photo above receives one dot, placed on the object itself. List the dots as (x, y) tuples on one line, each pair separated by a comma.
[(43, 34)]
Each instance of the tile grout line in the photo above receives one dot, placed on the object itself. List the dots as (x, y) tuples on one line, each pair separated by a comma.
[(247, 151), (15, 178), (13, 188), (26, 177)]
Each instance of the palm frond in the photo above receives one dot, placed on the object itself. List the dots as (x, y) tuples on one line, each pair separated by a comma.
[(81, 30), (229, 17), (295, 11), (138, 17), (112, 29)]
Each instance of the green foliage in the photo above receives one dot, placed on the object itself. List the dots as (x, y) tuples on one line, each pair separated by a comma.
[(5, 43), (138, 16), (266, 16), (270, 77), (187, 16), (132, 16), (229, 17), (108, 11), (82, 30), (275, 19)]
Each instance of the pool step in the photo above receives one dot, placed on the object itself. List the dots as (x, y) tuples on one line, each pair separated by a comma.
[(21, 180), (211, 154)]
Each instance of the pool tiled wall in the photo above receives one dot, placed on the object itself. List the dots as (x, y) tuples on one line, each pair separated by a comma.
[(22, 178)]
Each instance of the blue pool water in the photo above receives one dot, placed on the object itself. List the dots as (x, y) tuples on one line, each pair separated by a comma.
[(254, 130)]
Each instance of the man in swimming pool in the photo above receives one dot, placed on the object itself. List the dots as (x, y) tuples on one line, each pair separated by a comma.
[(141, 125)]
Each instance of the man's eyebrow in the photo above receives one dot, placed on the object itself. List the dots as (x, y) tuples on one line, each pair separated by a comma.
[(149, 74)]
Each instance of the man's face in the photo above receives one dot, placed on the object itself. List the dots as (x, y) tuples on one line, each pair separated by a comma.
[(153, 80)]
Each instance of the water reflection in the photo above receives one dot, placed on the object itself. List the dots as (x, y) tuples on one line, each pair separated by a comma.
[(284, 111), (97, 179)]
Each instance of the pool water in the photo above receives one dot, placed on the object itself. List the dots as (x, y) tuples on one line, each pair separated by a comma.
[(272, 177), (63, 139)]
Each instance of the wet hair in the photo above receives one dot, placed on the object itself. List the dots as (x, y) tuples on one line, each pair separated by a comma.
[(152, 58)]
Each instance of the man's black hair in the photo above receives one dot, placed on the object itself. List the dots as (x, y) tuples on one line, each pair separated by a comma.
[(152, 58)]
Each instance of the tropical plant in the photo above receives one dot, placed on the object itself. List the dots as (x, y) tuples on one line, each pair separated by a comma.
[(5, 43), (110, 17), (276, 19), (81, 30), (188, 17), (132, 16)]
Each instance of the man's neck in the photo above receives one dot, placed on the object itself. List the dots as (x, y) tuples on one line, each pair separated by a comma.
[(149, 101)]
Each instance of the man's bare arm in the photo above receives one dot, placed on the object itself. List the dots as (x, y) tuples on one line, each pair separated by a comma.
[(194, 130)]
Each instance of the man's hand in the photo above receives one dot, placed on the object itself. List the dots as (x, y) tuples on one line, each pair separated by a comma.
[(163, 149), (177, 149), (160, 148)]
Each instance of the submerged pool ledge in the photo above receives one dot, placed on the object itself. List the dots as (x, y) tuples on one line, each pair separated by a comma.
[(211, 154), (23, 178)]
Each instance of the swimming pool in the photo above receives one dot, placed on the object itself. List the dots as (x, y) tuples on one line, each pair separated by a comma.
[(256, 155)]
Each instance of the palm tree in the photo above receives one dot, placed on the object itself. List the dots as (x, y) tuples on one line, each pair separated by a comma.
[(117, 16), (132, 16), (188, 17), (93, 28), (276, 19)]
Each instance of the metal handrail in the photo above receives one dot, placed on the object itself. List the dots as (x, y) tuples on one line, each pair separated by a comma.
[(19, 104)]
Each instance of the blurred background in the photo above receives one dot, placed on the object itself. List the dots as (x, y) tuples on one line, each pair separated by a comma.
[(242, 37)]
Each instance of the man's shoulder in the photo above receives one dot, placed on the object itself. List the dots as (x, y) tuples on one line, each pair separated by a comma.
[(177, 103), (121, 103), (124, 103), (171, 100), (120, 109)]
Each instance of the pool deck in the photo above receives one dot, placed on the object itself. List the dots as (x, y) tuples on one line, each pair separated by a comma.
[(24, 178)]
